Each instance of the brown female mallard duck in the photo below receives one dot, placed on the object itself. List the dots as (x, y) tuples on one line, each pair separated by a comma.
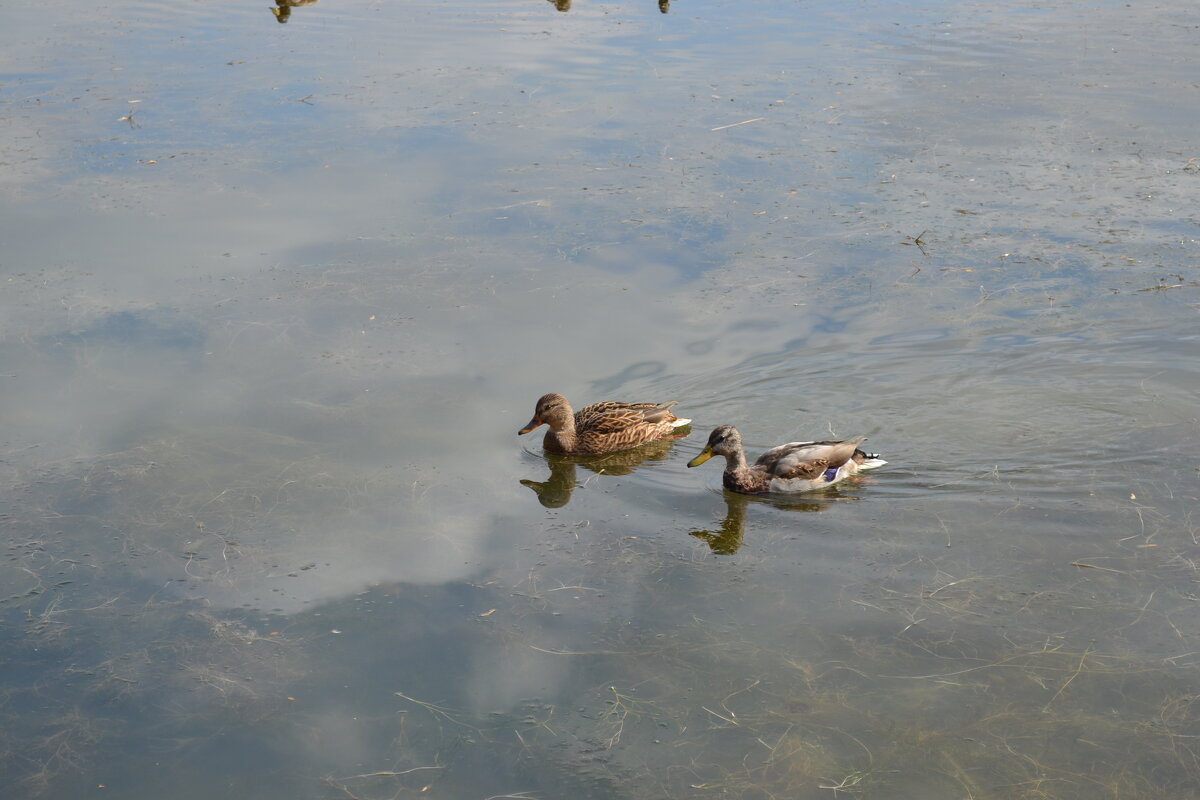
[(601, 427), (791, 467)]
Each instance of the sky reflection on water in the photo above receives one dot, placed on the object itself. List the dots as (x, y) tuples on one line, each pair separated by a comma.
[(276, 298)]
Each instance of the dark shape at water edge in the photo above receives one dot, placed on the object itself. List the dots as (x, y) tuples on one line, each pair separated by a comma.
[(283, 9), (565, 5)]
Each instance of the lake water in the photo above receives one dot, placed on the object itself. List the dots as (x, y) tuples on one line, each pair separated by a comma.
[(278, 290)]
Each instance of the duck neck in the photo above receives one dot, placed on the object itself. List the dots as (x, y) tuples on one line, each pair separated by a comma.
[(735, 462), (561, 436), (740, 478)]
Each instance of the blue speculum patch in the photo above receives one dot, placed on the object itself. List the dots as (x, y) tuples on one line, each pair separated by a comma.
[(830, 474)]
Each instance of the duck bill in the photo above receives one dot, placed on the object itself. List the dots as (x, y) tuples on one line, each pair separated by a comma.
[(705, 455), (533, 423)]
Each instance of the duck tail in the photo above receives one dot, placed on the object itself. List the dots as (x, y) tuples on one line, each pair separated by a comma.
[(865, 460)]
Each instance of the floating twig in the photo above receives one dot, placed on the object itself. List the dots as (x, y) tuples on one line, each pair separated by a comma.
[(1093, 566), (735, 124)]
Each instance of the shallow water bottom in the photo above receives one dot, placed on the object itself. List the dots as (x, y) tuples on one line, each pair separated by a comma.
[(277, 298)]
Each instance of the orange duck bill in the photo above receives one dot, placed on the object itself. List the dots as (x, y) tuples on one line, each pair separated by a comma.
[(533, 423)]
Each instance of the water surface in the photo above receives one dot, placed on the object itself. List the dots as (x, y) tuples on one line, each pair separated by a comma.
[(277, 298)]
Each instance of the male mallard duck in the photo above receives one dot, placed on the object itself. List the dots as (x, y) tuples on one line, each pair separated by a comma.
[(602, 427), (791, 467)]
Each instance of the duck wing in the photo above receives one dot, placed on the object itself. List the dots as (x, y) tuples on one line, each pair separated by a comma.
[(612, 416), (806, 459)]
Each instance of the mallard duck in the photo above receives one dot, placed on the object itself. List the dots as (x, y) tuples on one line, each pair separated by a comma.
[(791, 467), (601, 427)]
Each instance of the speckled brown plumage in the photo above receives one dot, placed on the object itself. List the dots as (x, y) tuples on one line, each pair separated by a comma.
[(792, 467), (602, 427)]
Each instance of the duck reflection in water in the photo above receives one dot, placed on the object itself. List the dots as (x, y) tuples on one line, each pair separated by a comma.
[(565, 5), (283, 8), (555, 491), (728, 538)]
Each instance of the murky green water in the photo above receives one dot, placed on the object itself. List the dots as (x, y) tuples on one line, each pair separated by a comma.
[(276, 298)]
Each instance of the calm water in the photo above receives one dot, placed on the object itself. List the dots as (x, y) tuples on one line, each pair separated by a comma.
[(276, 298)]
